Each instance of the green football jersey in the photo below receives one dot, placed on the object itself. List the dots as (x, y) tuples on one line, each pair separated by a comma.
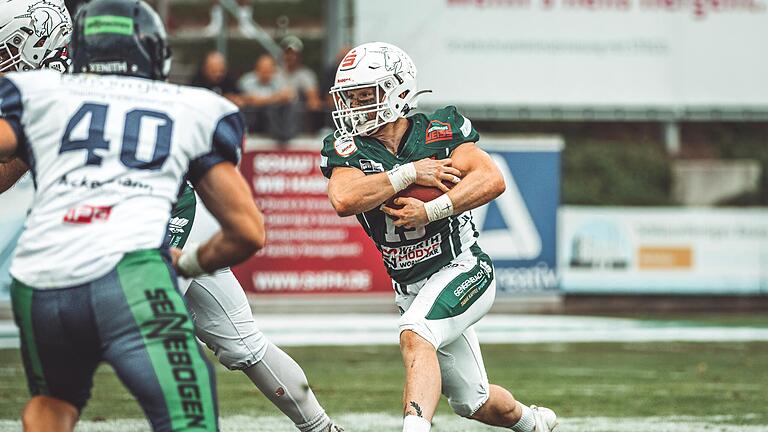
[(410, 255), (182, 217)]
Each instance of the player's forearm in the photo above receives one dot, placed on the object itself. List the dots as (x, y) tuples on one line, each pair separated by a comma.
[(227, 249), (475, 189), (361, 194), (8, 141), (11, 172)]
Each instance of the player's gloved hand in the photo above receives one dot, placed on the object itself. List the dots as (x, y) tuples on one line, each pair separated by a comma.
[(432, 172), (412, 215), (58, 60)]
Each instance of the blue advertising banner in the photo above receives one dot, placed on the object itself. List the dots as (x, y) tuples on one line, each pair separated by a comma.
[(519, 228)]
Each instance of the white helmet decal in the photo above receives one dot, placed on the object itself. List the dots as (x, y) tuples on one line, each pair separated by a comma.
[(30, 31), (387, 77), (47, 17)]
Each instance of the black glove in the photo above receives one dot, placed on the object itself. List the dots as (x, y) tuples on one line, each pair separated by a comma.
[(58, 60)]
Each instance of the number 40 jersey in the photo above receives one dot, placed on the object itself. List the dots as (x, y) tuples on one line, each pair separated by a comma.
[(108, 155)]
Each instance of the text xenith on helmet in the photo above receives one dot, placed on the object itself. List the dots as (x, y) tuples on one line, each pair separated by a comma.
[(120, 37)]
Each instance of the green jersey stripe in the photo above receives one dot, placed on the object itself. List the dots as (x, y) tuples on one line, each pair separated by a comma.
[(21, 299), (182, 218), (168, 335)]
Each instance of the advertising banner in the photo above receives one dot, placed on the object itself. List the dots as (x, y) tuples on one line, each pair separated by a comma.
[(310, 249), (571, 54), (518, 230), (664, 250)]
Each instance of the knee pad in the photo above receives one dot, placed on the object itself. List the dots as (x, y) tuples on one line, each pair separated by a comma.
[(467, 402), (239, 353), (463, 378)]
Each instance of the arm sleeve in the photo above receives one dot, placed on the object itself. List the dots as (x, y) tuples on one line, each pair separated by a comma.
[(226, 146)]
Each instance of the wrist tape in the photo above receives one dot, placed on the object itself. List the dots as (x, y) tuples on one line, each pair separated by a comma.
[(402, 176), (188, 263), (439, 208)]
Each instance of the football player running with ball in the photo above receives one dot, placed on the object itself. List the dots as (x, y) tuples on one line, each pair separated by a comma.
[(108, 151), (444, 282)]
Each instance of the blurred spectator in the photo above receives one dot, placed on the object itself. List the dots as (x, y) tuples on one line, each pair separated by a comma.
[(213, 74), (268, 101), (303, 81)]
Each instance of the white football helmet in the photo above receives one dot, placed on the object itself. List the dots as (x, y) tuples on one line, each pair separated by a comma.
[(389, 76), (30, 31)]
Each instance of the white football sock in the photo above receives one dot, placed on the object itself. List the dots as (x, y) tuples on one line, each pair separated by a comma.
[(412, 423), (527, 422)]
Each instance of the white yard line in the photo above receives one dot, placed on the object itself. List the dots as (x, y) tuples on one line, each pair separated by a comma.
[(378, 329), (373, 422)]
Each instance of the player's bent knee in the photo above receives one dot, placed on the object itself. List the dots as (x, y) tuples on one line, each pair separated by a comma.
[(241, 353), (466, 401), (418, 329), (466, 408)]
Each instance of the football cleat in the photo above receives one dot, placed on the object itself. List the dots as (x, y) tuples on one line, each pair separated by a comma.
[(546, 420), (333, 427)]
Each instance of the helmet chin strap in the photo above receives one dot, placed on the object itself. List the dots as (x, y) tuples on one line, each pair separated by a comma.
[(413, 101)]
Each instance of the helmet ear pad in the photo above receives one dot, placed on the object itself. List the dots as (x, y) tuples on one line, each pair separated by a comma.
[(160, 54), (400, 97)]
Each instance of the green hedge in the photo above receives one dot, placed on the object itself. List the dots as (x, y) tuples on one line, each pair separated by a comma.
[(615, 173)]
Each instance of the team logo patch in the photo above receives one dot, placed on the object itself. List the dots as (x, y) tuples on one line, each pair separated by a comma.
[(351, 60), (345, 146), (47, 18), (369, 166), (439, 131), (176, 225), (87, 214), (108, 24)]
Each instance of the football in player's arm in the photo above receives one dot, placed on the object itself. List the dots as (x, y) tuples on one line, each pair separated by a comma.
[(443, 281), (481, 182)]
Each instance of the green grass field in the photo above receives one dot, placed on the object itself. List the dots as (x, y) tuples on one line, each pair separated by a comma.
[(579, 380)]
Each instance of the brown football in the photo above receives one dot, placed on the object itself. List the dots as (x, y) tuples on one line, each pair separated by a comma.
[(421, 193)]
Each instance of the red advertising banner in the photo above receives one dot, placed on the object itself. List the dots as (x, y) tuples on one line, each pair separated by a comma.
[(310, 249)]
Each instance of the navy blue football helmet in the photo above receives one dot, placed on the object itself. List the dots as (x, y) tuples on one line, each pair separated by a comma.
[(120, 37)]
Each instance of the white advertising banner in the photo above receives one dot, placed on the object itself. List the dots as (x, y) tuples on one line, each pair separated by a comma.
[(634, 54), (663, 250)]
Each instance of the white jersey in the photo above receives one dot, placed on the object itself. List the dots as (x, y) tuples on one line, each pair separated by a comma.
[(108, 155)]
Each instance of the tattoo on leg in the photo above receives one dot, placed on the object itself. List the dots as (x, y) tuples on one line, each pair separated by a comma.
[(416, 406)]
